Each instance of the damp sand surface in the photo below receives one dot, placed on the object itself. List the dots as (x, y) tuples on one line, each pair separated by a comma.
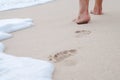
[(97, 43)]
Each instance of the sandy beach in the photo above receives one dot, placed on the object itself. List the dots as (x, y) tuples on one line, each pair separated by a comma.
[(93, 50)]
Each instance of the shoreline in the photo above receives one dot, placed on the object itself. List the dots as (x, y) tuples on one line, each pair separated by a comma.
[(54, 32)]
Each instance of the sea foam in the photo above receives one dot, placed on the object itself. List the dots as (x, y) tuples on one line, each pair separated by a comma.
[(20, 68), (14, 4)]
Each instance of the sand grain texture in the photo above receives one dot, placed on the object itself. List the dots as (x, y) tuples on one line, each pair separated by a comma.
[(98, 56)]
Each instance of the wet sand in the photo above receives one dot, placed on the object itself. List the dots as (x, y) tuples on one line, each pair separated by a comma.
[(96, 45)]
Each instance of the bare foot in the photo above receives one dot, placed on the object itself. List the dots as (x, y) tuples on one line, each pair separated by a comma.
[(97, 11), (82, 19), (62, 55)]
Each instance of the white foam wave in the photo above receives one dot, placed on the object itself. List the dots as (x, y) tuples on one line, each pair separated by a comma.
[(14, 4), (20, 68), (11, 25)]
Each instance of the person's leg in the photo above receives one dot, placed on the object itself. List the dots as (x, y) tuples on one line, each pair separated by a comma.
[(98, 7), (83, 16)]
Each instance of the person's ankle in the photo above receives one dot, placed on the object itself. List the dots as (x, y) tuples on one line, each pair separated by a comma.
[(84, 12)]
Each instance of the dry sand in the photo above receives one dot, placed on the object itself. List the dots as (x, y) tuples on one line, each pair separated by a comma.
[(97, 43)]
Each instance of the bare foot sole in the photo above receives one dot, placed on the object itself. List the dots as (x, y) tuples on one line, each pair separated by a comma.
[(62, 55), (83, 22), (81, 33)]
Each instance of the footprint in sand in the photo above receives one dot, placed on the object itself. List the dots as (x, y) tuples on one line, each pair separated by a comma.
[(81, 33), (70, 62), (62, 55)]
